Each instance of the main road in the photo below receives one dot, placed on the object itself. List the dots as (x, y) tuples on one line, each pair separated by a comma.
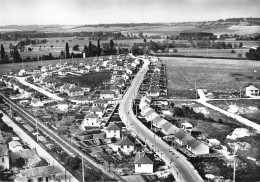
[(180, 167)]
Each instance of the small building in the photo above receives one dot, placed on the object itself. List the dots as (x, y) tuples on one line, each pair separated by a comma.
[(144, 162), (98, 110), (169, 129), (75, 91), (113, 130), (187, 126), (37, 174), (4, 157), (64, 105), (182, 138), (90, 120), (126, 144), (107, 94), (150, 115), (197, 148), (252, 91), (15, 146), (36, 103), (213, 142), (100, 102)]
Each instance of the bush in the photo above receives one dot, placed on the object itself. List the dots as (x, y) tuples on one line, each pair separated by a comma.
[(233, 51)]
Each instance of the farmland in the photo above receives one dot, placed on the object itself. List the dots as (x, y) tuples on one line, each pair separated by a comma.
[(184, 74)]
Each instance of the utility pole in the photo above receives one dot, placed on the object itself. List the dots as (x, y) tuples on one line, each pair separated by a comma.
[(234, 170), (240, 92), (83, 169), (196, 89)]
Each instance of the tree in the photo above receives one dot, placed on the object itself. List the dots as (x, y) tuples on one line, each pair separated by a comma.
[(240, 44), (67, 52), (52, 46), (90, 49), (62, 54), (111, 46), (75, 48), (75, 163), (135, 49), (20, 162), (239, 55), (145, 40), (2, 53), (98, 48), (15, 55), (178, 112), (253, 54), (140, 34)]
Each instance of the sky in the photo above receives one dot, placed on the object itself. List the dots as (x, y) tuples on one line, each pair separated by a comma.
[(75, 12)]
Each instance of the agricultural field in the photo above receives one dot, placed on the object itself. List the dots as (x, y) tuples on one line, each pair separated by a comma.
[(245, 108), (184, 74), (7, 68)]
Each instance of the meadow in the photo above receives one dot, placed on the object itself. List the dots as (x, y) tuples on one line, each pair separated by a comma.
[(184, 74)]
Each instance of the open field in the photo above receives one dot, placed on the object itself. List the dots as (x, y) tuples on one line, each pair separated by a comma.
[(6, 68), (184, 74), (245, 108)]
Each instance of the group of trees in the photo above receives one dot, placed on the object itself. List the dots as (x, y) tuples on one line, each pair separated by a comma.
[(253, 54)]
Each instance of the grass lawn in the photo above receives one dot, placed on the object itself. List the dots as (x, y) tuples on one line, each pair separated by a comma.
[(212, 74)]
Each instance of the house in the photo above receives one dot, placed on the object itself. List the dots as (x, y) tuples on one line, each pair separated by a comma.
[(252, 91), (187, 126), (36, 161), (64, 105), (98, 110), (75, 91), (62, 72), (44, 69), (128, 71), (36, 103), (15, 146), (213, 142), (150, 115), (144, 162), (182, 138), (90, 120), (22, 72), (37, 174), (145, 109), (4, 157), (25, 154), (115, 89), (125, 77), (196, 147), (100, 102), (169, 129), (126, 144), (113, 130), (153, 91), (156, 120), (107, 94)]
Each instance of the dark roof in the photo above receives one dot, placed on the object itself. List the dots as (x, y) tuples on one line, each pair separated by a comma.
[(107, 92), (194, 143), (113, 126), (25, 154), (180, 135), (144, 158), (99, 101), (38, 171), (126, 140)]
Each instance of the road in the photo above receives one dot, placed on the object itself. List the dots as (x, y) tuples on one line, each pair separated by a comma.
[(203, 100), (69, 148), (23, 81), (180, 167)]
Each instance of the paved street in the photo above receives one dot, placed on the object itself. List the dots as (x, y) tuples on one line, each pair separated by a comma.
[(180, 167)]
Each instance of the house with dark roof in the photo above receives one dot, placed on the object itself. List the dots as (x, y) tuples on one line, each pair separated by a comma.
[(75, 91), (182, 138), (126, 144), (144, 162), (169, 129), (197, 148), (4, 157), (36, 161), (113, 130), (64, 105), (100, 102), (98, 110)]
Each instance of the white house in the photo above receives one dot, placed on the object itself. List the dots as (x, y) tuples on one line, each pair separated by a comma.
[(100, 102), (113, 130), (90, 120), (4, 157), (64, 105), (15, 146), (196, 147), (36, 103), (107, 94), (22, 72), (144, 162), (252, 91), (126, 144), (150, 115), (98, 110), (182, 138)]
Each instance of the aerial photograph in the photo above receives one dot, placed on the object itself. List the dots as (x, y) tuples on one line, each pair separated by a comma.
[(130, 91)]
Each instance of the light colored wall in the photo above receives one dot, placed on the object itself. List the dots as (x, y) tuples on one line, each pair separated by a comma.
[(5, 163), (145, 168)]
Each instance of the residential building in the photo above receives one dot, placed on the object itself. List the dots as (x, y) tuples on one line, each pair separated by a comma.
[(15, 146), (4, 157), (113, 130), (126, 144), (187, 126), (37, 174), (98, 110), (107, 94), (100, 102), (75, 91), (90, 120), (150, 115), (144, 162), (197, 148), (182, 138), (64, 105), (252, 91)]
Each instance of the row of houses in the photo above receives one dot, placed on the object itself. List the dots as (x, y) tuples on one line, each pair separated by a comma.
[(180, 136)]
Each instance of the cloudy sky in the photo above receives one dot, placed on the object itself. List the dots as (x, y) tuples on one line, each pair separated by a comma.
[(72, 12)]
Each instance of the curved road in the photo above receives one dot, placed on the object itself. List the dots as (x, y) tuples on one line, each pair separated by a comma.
[(180, 167)]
